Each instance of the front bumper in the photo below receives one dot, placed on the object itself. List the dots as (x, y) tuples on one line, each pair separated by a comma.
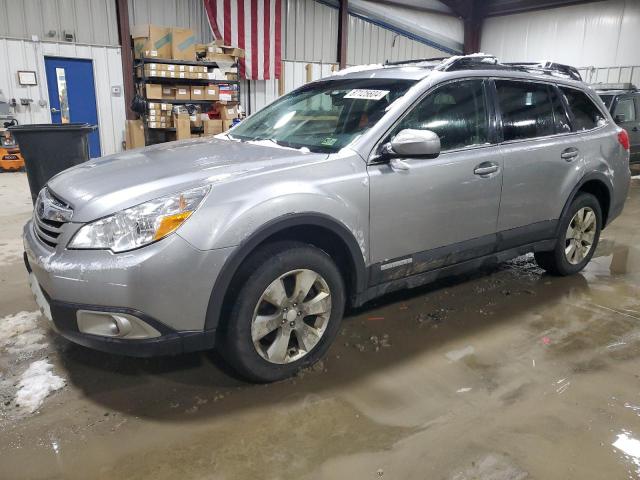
[(167, 285)]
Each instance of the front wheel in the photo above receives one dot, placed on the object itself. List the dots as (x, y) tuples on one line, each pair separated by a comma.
[(578, 238), (287, 311)]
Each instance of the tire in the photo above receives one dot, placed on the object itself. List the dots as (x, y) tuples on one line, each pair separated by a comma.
[(563, 260), (261, 276)]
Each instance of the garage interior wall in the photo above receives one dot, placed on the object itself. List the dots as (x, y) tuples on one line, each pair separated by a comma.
[(599, 34), (33, 29), (310, 35)]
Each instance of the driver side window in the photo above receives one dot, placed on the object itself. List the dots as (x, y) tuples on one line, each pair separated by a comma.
[(456, 112)]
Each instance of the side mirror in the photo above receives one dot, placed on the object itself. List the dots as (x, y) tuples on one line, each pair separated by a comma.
[(414, 144), (619, 118)]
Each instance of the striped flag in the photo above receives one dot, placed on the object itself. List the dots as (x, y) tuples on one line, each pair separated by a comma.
[(254, 26)]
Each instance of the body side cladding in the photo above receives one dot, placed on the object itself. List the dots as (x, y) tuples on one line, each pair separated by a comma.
[(464, 266), (449, 255), (220, 288)]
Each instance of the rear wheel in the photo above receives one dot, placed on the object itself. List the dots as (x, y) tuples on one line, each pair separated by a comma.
[(286, 313), (578, 237)]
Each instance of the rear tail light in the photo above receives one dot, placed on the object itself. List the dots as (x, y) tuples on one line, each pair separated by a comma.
[(623, 138)]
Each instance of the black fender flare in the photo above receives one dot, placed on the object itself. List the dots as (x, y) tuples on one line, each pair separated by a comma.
[(244, 249), (599, 176)]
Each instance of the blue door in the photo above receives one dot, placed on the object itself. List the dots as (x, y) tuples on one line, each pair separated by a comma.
[(72, 95)]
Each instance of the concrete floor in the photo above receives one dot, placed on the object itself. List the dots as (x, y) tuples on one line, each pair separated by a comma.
[(506, 374)]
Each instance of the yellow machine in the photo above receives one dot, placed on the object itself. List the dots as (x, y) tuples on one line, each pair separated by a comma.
[(10, 157)]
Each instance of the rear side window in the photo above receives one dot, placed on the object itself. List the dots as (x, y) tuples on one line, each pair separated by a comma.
[(585, 114), (455, 111), (560, 117), (526, 109), (626, 108)]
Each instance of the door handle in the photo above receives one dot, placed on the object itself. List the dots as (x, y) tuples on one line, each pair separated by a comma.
[(55, 110), (569, 154), (486, 168)]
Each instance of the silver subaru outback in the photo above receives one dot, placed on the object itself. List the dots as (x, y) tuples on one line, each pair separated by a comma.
[(370, 181)]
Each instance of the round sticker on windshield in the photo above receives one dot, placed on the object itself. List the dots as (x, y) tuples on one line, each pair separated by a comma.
[(366, 94)]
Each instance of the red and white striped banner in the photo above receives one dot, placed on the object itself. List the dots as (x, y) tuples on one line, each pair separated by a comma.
[(254, 26)]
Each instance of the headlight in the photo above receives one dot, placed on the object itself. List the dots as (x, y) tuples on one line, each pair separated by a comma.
[(140, 225)]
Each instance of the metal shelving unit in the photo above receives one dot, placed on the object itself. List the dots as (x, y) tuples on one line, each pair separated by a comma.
[(143, 80)]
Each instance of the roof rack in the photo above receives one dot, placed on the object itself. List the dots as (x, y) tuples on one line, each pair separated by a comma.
[(550, 68), (414, 61), (490, 62), (615, 86)]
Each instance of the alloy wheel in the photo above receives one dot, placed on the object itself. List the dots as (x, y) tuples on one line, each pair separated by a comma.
[(291, 316), (580, 235)]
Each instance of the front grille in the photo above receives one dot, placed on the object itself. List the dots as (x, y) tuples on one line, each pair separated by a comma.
[(47, 231), (49, 217)]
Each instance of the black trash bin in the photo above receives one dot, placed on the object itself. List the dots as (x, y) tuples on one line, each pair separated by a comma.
[(48, 149)]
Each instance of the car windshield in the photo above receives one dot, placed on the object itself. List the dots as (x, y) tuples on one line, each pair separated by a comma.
[(324, 116)]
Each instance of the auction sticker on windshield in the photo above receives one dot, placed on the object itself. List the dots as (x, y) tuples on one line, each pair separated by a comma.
[(366, 94)]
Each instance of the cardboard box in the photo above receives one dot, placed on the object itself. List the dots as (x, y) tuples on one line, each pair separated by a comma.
[(160, 106), (134, 134), (183, 92), (228, 112), (233, 51), (226, 125), (183, 126), (231, 76), (212, 127), (153, 91), (151, 41), (183, 44), (223, 58), (168, 93), (211, 92), (197, 92)]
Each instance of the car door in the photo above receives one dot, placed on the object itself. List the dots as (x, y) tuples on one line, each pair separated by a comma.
[(428, 213), (542, 160), (626, 112)]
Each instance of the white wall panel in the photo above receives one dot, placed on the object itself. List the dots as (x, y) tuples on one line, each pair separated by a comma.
[(107, 70), (597, 34), (91, 21)]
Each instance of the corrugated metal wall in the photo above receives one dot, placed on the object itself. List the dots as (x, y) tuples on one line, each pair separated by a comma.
[(369, 43), (91, 21), (107, 70), (310, 31), (599, 34)]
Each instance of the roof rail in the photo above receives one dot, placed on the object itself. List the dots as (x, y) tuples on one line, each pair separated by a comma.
[(467, 61), (413, 61), (550, 68), (490, 62)]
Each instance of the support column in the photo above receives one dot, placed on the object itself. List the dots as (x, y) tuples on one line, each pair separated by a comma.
[(343, 32), (124, 36)]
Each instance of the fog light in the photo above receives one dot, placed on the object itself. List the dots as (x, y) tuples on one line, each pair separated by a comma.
[(115, 325)]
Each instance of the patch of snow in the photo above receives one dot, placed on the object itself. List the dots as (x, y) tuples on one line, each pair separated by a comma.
[(20, 333), (636, 177), (36, 383), (463, 390), (630, 447), (455, 355)]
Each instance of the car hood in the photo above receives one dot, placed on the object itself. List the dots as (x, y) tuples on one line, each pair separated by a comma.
[(106, 185)]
